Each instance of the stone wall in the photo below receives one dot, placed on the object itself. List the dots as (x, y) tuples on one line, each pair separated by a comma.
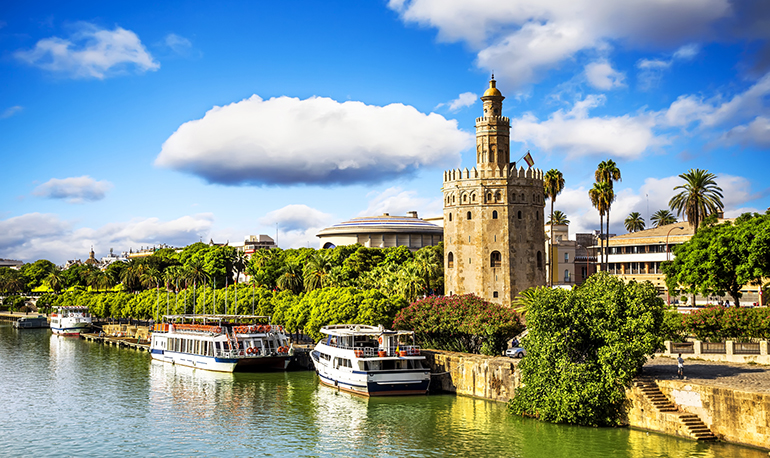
[(695, 350), (488, 377)]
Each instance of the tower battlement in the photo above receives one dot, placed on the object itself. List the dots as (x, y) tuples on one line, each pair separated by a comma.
[(503, 119), (506, 172)]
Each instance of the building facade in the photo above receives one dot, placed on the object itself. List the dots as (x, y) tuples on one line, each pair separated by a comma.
[(493, 216), (383, 231), (573, 260)]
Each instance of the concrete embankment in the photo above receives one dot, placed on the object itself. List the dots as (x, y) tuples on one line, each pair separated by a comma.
[(693, 409)]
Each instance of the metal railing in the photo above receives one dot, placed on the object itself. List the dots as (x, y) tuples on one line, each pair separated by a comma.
[(745, 348), (682, 347), (717, 348)]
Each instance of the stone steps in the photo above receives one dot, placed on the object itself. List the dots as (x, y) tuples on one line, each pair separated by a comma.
[(692, 423)]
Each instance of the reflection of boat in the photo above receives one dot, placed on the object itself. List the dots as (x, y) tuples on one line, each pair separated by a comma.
[(27, 322), (223, 343), (371, 361), (70, 321)]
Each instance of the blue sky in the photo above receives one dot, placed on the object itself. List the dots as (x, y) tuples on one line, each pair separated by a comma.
[(128, 124)]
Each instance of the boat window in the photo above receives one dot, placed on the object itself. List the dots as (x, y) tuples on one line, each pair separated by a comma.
[(325, 356)]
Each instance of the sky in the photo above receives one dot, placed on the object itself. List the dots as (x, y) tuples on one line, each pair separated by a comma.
[(132, 124)]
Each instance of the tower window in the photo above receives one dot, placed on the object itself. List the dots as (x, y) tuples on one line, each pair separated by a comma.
[(489, 197), (513, 197), (469, 216), (539, 260), (450, 260), (519, 214), (494, 214), (494, 294), (495, 260), (473, 197), (450, 217)]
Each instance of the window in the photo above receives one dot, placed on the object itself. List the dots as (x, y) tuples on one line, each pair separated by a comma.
[(494, 294), (494, 214), (566, 276), (513, 197), (450, 260), (495, 260), (539, 260), (469, 216), (473, 197), (566, 257), (489, 197), (519, 214), (450, 217)]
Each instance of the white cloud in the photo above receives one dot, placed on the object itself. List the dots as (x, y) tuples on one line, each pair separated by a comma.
[(577, 134), (522, 40), (687, 52), (318, 140), (296, 217), (398, 201), (602, 76), (90, 52), (74, 189), (8, 112), (178, 44), (45, 236), (465, 99), (651, 70), (755, 133)]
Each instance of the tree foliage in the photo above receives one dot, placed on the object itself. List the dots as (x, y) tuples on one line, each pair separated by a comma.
[(463, 323), (584, 347), (699, 196)]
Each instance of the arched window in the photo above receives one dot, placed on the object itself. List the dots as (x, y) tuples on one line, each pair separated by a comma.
[(453, 199), (489, 197), (522, 197), (495, 260), (329, 245), (473, 197), (498, 197), (519, 214), (494, 294), (539, 260), (450, 260), (513, 197), (494, 214), (469, 216), (465, 198), (450, 217), (566, 276)]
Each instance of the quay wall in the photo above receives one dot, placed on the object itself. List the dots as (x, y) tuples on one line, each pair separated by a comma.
[(732, 415)]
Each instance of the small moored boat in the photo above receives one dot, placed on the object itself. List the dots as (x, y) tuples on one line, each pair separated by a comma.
[(370, 361), (70, 321), (28, 322), (222, 343)]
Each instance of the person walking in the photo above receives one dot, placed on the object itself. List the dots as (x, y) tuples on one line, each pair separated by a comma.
[(680, 366)]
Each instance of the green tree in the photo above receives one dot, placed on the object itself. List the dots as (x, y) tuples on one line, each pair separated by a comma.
[(601, 196), (608, 172), (699, 198), (662, 218), (36, 272), (316, 272), (291, 278), (559, 217), (553, 182), (584, 347), (634, 222), (53, 279)]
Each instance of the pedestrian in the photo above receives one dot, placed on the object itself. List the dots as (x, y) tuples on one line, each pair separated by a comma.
[(680, 366)]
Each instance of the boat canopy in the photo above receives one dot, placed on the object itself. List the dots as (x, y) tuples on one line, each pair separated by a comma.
[(360, 330), (218, 318)]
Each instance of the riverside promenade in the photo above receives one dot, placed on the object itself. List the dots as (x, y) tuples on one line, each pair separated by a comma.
[(737, 376)]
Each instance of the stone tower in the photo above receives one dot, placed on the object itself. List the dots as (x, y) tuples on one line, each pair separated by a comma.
[(493, 216)]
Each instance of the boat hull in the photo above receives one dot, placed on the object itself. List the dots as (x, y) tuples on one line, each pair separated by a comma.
[(71, 330), (211, 363), (378, 388)]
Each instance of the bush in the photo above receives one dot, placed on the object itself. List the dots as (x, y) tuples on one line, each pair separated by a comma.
[(464, 323), (673, 327), (583, 349), (717, 324)]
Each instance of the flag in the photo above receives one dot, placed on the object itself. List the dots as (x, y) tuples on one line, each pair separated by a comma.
[(528, 159)]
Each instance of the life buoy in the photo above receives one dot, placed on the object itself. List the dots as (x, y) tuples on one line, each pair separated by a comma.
[(249, 351), (380, 340), (218, 330), (267, 328)]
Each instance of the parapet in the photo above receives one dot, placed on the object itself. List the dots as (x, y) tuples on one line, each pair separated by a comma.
[(506, 172)]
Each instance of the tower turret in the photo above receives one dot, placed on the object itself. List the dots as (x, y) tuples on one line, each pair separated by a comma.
[(492, 131)]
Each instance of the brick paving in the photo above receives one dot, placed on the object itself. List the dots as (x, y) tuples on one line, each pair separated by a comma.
[(744, 377)]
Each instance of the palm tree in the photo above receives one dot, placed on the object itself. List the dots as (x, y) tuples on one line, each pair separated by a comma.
[(240, 261), (553, 182), (699, 198), (601, 196), (662, 218), (634, 222), (317, 270), (54, 279), (608, 172), (291, 277), (559, 218)]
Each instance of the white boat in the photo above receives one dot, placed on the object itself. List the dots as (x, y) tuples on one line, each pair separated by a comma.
[(222, 343), (27, 322), (70, 321), (370, 361)]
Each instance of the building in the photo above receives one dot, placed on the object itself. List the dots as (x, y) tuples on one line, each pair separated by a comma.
[(638, 256), (12, 263), (257, 242), (573, 260), (493, 216), (383, 232)]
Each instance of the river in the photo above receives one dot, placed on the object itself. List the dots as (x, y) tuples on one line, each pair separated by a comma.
[(63, 396)]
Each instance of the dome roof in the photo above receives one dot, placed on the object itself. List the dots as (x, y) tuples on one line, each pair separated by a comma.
[(492, 91), (384, 223)]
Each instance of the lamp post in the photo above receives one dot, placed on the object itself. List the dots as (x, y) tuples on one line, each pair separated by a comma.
[(668, 252)]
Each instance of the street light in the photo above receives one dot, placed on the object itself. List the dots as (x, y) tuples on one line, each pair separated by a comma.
[(668, 251)]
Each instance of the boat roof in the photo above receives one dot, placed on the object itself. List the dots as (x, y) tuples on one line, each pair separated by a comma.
[(71, 307), (216, 317), (359, 330)]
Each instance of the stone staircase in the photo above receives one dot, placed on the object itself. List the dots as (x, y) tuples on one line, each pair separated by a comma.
[(692, 423)]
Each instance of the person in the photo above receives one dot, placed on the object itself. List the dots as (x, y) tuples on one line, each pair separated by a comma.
[(680, 366)]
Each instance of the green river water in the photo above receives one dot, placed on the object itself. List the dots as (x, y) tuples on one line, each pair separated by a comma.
[(63, 396)]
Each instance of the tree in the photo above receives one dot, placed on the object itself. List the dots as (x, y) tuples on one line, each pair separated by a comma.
[(240, 260), (291, 277), (36, 272), (54, 279), (662, 218), (584, 347), (601, 196), (634, 222), (722, 258), (608, 172), (553, 182), (699, 198), (558, 217), (316, 272)]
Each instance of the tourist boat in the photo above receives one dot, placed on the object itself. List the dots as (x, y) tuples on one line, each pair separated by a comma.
[(370, 361), (222, 343), (70, 321), (29, 322)]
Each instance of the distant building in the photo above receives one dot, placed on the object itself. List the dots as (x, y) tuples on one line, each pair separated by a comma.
[(257, 242), (382, 232), (573, 260), (12, 263)]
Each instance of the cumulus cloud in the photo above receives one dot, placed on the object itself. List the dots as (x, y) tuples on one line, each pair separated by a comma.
[(318, 140), (74, 189), (90, 52), (296, 217), (755, 133), (602, 76), (398, 201), (524, 39), (8, 112), (577, 134), (651, 70), (465, 99), (46, 236)]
